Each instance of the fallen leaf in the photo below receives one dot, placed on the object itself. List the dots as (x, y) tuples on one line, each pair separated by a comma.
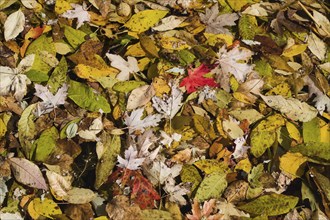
[(14, 25), (27, 173)]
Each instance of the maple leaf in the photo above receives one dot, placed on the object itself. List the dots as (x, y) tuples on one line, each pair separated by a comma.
[(321, 99), (196, 79), (169, 106), (134, 121), (125, 67), (14, 79), (50, 101), (176, 192), (216, 23), (131, 161), (240, 147), (79, 12), (231, 62)]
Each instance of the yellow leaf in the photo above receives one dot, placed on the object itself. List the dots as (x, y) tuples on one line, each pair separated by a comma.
[(143, 63), (294, 50), (161, 86), (292, 163), (97, 19), (213, 39), (144, 20), (173, 43), (242, 97), (281, 89), (91, 73), (271, 123), (135, 50), (324, 131), (46, 207), (293, 131), (210, 166), (244, 165), (101, 218), (62, 6)]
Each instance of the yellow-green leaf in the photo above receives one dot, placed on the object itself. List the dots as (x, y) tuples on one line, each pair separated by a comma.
[(211, 187), (46, 207), (189, 174), (271, 205), (294, 50), (144, 20)]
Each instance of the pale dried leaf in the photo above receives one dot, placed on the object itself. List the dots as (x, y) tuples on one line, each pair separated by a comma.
[(79, 12), (27, 173), (14, 25)]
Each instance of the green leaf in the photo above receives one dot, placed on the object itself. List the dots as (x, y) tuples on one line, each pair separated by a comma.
[(271, 205), (42, 43), (63, 130), (186, 57), (322, 182), (212, 186), (27, 129), (45, 144), (263, 68), (155, 214), (74, 37), (311, 130), (86, 98), (144, 20), (127, 86), (247, 26), (59, 76), (110, 145), (317, 152), (189, 174), (39, 70), (223, 98)]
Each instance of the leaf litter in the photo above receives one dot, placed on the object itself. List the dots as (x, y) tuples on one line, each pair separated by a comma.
[(164, 109)]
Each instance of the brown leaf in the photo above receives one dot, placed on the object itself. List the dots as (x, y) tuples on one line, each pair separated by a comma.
[(82, 212)]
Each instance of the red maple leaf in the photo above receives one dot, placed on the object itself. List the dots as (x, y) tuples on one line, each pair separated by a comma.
[(196, 79), (142, 191)]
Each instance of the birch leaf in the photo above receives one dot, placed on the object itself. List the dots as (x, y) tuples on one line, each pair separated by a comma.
[(292, 108), (14, 25), (27, 173)]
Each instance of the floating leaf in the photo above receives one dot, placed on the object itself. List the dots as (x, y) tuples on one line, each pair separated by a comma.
[(27, 173), (271, 205), (85, 97), (212, 186)]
